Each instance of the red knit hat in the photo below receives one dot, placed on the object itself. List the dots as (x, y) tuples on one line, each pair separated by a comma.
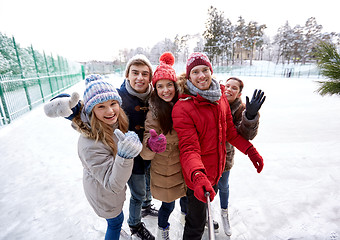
[(195, 59), (164, 70)]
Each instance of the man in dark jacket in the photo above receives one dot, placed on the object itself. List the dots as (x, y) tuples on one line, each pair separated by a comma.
[(135, 92)]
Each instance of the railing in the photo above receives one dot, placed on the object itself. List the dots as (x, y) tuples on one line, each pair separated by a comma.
[(270, 69), (29, 78), (19, 95)]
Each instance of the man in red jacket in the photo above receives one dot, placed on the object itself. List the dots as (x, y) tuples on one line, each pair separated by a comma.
[(203, 122)]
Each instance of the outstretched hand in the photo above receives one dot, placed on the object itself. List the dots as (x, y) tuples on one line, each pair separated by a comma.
[(255, 104), (62, 105)]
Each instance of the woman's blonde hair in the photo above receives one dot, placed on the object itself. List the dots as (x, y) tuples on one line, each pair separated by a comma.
[(104, 132)]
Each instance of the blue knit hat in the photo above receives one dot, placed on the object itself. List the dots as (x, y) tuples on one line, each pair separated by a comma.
[(98, 91)]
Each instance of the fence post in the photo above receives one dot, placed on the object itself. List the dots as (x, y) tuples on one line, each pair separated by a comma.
[(37, 70), (4, 105), (60, 72), (83, 72), (22, 75), (48, 74), (67, 77), (55, 72)]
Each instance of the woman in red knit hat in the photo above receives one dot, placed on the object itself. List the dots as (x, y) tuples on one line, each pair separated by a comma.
[(161, 143)]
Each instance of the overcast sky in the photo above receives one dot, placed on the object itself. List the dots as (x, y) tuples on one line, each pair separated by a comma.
[(82, 30)]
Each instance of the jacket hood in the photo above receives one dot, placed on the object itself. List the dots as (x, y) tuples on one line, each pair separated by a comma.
[(182, 85), (81, 126)]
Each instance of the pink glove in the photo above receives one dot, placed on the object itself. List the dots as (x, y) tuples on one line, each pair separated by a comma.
[(202, 185), (156, 143), (256, 158)]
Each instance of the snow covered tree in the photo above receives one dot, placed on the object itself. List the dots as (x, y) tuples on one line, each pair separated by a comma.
[(213, 33), (297, 43), (183, 46), (161, 47), (329, 63), (254, 34), (4, 65), (9, 60), (240, 36), (283, 39), (228, 40), (312, 34)]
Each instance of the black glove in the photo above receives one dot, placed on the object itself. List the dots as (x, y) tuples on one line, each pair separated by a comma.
[(255, 104)]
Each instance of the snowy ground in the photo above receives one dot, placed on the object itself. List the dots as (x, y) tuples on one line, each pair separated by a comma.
[(297, 196)]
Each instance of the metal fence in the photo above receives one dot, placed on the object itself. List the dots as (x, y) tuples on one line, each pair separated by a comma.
[(263, 69), (270, 69), (20, 95), (31, 78)]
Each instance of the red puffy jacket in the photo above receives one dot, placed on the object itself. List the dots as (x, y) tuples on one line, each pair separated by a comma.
[(203, 129)]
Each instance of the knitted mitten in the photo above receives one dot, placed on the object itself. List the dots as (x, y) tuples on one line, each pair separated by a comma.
[(156, 143), (201, 186), (129, 145), (62, 105), (256, 158)]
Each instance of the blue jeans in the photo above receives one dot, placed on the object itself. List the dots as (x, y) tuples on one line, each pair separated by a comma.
[(148, 197), (164, 214), (114, 225), (137, 188), (223, 187), (183, 201)]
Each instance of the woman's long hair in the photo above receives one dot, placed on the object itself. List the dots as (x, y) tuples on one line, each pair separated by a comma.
[(104, 132), (163, 109)]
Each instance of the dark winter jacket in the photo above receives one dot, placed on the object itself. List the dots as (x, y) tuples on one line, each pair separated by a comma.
[(136, 110), (203, 128), (247, 128)]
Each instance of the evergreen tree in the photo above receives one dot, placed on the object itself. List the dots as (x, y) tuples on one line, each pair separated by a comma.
[(8, 60), (312, 34), (240, 36), (214, 33), (254, 36), (227, 40), (296, 44), (329, 64)]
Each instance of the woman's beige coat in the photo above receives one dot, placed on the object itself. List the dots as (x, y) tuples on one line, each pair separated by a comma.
[(166, 179)]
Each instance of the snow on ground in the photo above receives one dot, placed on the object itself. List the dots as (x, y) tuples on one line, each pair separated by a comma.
[(296, 196)]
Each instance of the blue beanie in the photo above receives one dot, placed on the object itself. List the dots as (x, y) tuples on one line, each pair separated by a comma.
[(98, 91)]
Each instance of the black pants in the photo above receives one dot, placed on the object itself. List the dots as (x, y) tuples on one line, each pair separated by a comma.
[(196, 217)]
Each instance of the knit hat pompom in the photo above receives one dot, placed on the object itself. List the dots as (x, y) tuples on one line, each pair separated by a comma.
[(98, 91), (167, 58), (93, 77), (164, 70)]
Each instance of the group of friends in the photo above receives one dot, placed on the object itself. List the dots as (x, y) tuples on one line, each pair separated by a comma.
[(168, 137)]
